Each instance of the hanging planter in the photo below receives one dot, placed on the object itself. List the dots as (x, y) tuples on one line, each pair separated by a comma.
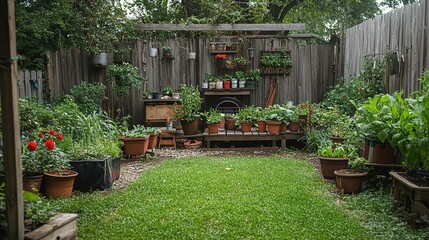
[(100, 59), (192, 55), (153, 52)]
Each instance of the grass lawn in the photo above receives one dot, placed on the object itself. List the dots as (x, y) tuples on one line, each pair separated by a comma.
[(266, 197)]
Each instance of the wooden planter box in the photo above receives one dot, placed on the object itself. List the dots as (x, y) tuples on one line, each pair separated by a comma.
[(417, 196), (61, 226)]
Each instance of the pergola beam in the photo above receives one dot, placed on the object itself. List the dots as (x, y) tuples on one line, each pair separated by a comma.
[(220, 27), (10, 121)]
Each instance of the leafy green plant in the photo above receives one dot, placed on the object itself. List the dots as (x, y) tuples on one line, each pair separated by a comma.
[(247, 114), (358, 164), (210, 77), (212, 116), (340, 151), (33, 115), (357, 89), (240, 75), (169, 90), (276, 59), (253, 75), (277, 112), (138, 131), (88, 96), (124, 77), (190, 104), (242, 60)]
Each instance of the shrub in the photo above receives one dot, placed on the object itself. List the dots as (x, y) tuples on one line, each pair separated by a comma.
[(88, 96)]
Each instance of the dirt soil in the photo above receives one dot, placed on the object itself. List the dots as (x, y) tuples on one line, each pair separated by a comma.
[(131, 169)]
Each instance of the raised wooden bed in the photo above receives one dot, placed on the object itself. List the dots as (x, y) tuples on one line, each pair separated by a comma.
[(417, 196), (253, 135), (60, 226)]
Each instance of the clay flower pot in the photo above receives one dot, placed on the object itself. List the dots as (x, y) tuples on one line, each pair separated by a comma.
[(213, 128), (274, 127), (329, 165), (246, 127), (262, 126), (58, 184), (349, 181)]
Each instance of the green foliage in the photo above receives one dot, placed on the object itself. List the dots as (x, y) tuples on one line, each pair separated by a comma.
[(242, 60), (33, 115), (277, 112), (66, 111), (88, 96), (253, 75), (247, 114), (315, 139), (190, 103), (36, 210), (240, 75), (124, 76), (169, 90), (212, 116), (138, 131), (357, 89), (358, 164), (276, 59), (340, 151)]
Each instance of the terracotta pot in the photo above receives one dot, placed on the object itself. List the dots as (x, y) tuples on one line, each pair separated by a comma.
[(283, 127), (262, 126), (349, 182), (135, 146), (230, 123), (246, 127), (213, 128), (192, 144), (294, 126), (189, 127), (329, 165), (222, 124), (380, 153), (337, 140), (58, 183), (32, 183), (274, 127), (153, 140)]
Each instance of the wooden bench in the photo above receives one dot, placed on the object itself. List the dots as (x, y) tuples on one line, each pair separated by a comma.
[(254, 135)]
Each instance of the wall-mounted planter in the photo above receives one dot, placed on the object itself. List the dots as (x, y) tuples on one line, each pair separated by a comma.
[(100, 59)]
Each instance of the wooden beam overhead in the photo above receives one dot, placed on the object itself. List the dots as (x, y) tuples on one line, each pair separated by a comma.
[(220, 27)]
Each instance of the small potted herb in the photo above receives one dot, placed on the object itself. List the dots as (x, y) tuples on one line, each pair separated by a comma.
[(213, 118)]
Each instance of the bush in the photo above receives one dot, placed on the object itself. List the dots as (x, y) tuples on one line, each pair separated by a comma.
[(88, 96)]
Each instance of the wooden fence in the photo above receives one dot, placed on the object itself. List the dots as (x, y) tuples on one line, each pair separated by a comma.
[(404, 31), (310, 77), (31, 84)]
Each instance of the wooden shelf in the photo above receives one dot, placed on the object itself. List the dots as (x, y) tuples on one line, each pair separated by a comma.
[(226, 51), (227, 92)]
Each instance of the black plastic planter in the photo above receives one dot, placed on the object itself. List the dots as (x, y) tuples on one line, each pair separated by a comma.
[(93, 174)]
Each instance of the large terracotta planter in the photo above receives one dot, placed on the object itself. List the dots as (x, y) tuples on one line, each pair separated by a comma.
[(135, 146), (213, 128), (32, 183), (262, 126), (189, 127), (349, 181), (58, 184), (230, 123), (274, 127), (329, 165), (380, 153), (294, 126), (246, 127)]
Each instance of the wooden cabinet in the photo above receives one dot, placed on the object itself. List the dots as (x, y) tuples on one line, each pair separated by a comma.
[(158, 110)]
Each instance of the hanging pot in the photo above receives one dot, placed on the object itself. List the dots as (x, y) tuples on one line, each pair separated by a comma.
[(100, 59), (153, 52), (192, 55)]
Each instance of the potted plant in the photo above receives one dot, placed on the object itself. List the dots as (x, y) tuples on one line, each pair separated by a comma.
[(168, 90), (246, 117), (350, 180), (227, 81), (153, 136), (221, 60), (124, 76), (230, 64), (148, 94), (189, 111), (166, 52), (212, 80), (241, 77), (261, 117), (333, 159), (136, 141), (275, 115), (58, 179), (230, 121), (252, 77), (294, 124), (242, 62), (213, 118)]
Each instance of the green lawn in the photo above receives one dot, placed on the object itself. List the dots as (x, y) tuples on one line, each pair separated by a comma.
[(224, 198)]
